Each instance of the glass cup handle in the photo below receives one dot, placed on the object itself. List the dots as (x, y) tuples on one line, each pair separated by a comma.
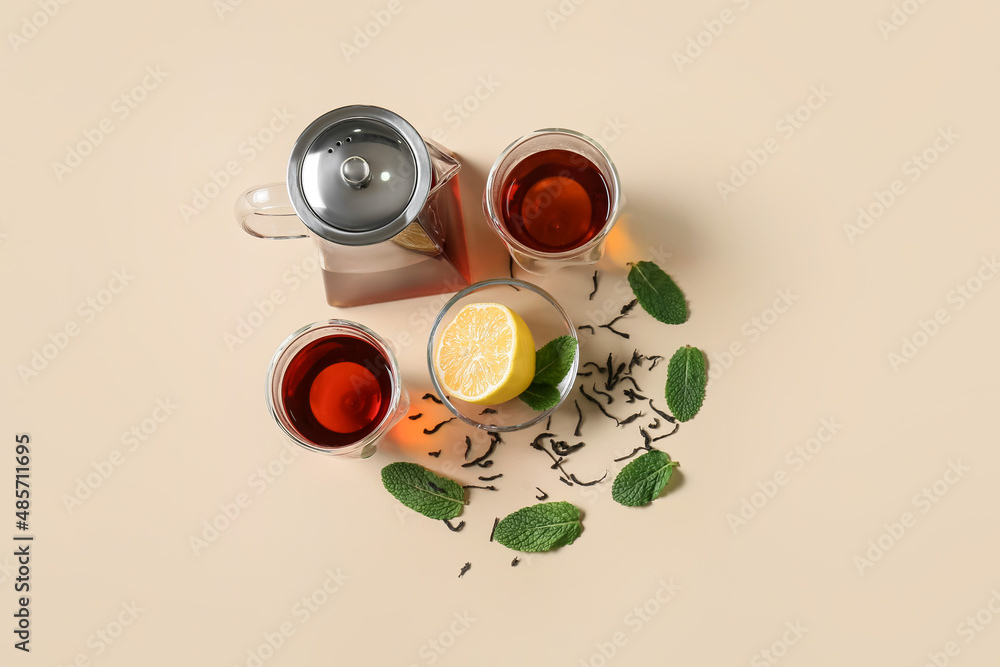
[(266, 212)]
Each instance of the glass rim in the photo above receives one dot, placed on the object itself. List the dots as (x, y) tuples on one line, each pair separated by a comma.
[(437, 325), (351, 328), (494, 218)]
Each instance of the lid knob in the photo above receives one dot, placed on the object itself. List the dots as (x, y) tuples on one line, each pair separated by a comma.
[(356, 172)]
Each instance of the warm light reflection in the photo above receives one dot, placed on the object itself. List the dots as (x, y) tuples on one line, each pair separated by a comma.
[(408, 435), (619, 244)]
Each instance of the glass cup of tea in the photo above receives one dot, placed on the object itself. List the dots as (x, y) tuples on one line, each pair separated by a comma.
[(334, 388), (552, 196)]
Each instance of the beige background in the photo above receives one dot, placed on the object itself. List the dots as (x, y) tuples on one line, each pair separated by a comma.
[(680, 131)]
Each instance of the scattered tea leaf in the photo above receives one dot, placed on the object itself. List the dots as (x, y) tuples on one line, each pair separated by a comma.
[(599, 405), (659, 412), (563, 448), (634, 452), (590, 483), (667, 435), (610, 326), (605, 394), (437, 427), (483, 460), (630, 419)]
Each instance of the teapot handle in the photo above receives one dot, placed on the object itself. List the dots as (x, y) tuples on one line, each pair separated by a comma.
[(266, 212)]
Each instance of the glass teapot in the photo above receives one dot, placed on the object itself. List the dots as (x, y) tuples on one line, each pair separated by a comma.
[(381, 203)]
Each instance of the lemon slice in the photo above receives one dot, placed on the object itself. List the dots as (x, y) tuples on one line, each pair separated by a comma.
[(486, 355)]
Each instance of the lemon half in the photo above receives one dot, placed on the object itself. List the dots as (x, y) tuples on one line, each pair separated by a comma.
[(486, 355)]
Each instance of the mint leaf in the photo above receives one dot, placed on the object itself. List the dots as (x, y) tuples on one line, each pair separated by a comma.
[(657, 293), (422, 491), (641, 481), (686, 381), (540, 397), (552, 362), (541, 527)]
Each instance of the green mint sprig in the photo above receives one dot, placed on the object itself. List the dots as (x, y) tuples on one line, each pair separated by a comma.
[(552, 362), (422, 491), (657, 293), (541, 527), (642, 480), (686, 380)]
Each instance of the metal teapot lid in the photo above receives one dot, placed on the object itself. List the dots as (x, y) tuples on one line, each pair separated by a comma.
[(359, 175)]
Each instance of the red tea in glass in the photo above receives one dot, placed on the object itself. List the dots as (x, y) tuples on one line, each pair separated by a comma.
[(554, 200), (336, 390), (334, 387), (552, 197)]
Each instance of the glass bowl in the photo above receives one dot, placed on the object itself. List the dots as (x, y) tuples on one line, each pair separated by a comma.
[(545, 318)]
